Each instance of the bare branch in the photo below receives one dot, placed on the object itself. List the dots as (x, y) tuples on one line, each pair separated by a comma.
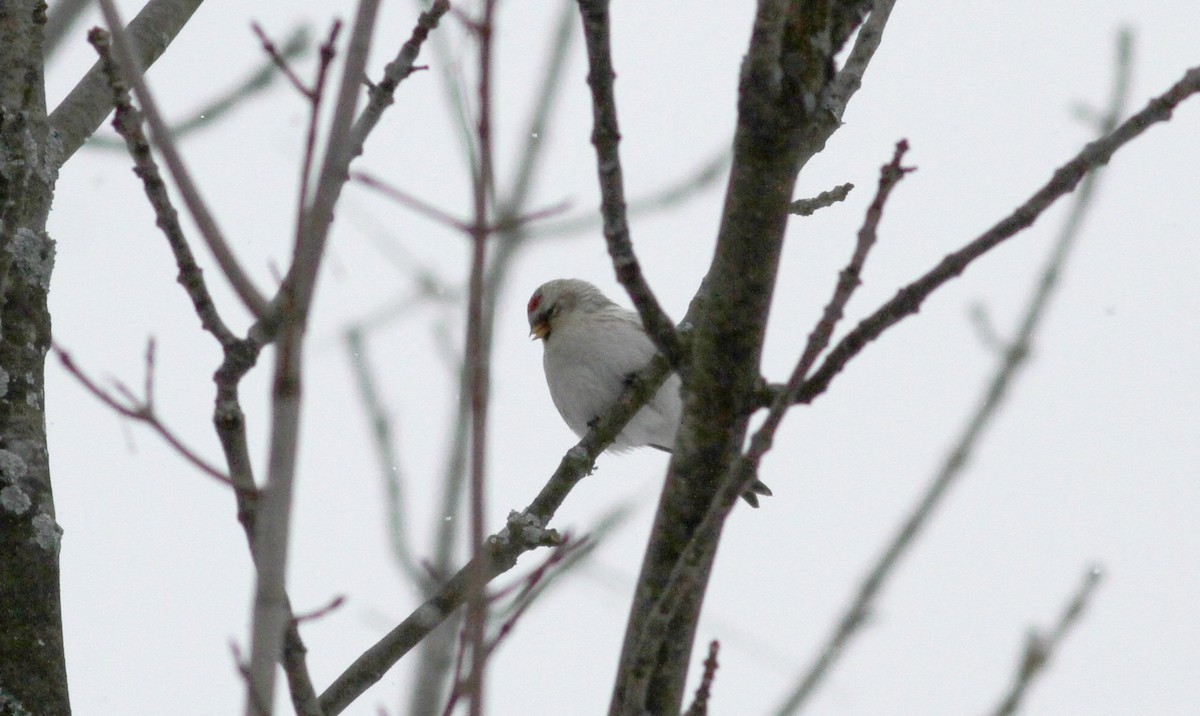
[(529, 586), (382, 94), (606, 136), (127, 122), (528, 592), (780, 127), (279, 59), (1040, 648), (123, 54), (409, 201), (808, 207), (294, 46), (678, 191), (315, 96), (909, 299), (389, 463), (313, 229), (1012, 359), (333, 605), (526, 531), (230, 424), (140, 411), (85, 107), (848, 281), (699, 705), (290, 311), (849, 79), (478, 368)]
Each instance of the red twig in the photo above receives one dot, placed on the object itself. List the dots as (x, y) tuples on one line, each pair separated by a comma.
[(140, 410)]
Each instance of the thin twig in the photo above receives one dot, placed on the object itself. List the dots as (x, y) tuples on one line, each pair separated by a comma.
[(280, 61), (322, 612), (848, 281), (605, 137), (410, 201), (381, 432), (909, 299), (457, 692), (131, 70), (849, 79), (704, 690), (808, 207), (312, 231), (1040, 648), (676, 192), (445, 218), (142, 412), (1012, 359), (527, 589), (127, 122), (483, 184), (296, 45), (382, 93), (315, 97), (554, 563)]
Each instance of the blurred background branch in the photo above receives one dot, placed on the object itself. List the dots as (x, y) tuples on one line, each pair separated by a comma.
[(1014, 357)]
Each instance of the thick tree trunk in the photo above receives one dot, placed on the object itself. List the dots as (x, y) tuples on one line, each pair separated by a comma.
[(33, 674), (780, 126)]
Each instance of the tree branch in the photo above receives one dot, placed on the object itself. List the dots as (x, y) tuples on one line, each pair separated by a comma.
[(808, 207), (848, 281), (141, 411), (606, 136), (123, 54), (780, 126), (289, 311), (128, 123), (1040, 648), (525, 531), (296, 45), (382, 95), (909, 299), (89, 102), (849, 79), (1012, 359)]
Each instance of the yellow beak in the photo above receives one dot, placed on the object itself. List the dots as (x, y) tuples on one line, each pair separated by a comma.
[(540, 329)]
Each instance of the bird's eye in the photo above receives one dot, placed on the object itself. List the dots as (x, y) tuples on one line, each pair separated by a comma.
[(534, 303)]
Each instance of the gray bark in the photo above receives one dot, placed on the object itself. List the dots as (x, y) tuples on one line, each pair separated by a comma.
[(33, 674)]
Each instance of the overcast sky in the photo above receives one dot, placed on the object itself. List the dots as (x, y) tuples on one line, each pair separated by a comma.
[(1093, 461)]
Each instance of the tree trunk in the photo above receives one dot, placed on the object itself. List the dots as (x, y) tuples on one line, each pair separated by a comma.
[(780, 126), (33, 674)]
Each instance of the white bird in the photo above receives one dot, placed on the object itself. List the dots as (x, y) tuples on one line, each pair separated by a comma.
[(592, 349)]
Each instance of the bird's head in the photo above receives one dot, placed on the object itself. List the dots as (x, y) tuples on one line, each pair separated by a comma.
[(560, 300)]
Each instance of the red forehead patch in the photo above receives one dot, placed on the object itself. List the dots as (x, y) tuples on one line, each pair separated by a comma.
[(533, 303)]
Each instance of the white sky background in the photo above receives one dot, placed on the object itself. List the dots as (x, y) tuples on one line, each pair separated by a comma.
[(1093, 460)]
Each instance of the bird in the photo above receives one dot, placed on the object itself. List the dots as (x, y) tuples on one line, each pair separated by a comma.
[(592, 348)]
